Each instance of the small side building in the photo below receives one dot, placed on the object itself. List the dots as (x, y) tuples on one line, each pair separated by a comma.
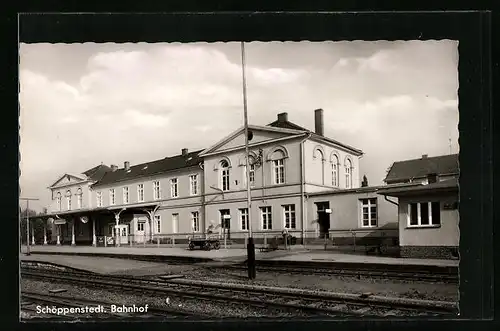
[(427, 207)]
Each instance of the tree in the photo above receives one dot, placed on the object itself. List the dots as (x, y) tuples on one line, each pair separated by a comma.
[(364, 183), (36, 226)]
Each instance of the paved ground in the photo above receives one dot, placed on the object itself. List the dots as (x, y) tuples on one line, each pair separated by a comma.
[(239, 255)]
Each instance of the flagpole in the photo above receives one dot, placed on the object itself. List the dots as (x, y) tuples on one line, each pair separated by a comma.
[(250, 244)]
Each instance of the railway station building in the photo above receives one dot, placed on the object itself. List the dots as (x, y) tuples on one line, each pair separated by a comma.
[(300, 180)]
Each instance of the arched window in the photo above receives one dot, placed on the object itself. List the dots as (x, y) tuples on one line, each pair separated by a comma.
[(251, 162), (278, 161), (58, 201), (348, 173), (68, 199), (224, 175), (79, 197), (335, 170), (319, 164)]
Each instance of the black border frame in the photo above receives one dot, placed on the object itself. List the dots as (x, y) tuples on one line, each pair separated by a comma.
[(472, 29)]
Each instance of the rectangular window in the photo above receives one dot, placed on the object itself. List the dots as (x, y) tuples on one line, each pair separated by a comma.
[(125, 195), (156, 190), (140, 192), (99, 199), (225, 179), (195, 221), (279, 171), (289, 213), (175, 223), (266, 218), (174, 193), (424, 214), (244, 218), (193, 184), (158, 223), (112, 196), (369, 213), (140, 226), (225, 222)]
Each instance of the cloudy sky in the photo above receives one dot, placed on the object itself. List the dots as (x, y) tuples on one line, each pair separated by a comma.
[(83, 104)]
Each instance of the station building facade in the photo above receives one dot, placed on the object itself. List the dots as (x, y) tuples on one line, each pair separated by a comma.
[(300, 181)]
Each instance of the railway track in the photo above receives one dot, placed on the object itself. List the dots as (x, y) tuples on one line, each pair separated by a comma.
[(34, 304), (410, 275), (311, 302)]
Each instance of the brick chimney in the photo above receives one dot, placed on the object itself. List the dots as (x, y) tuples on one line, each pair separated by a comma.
[(126, 165), (282, 117), (184, 152), (114, 167), (318, 122)]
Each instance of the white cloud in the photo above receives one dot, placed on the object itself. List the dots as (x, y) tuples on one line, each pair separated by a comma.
[(129, 103)]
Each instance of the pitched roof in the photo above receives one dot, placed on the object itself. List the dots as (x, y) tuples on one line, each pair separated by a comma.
[(97, 172), (289, 125), (411, 189), (151, 168), (286, 125), (419, 168)]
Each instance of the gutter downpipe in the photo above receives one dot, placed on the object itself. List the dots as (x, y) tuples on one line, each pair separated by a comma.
[(302, 186), (387, 199)]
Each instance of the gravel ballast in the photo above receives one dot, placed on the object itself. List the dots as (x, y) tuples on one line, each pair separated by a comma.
[(196, 306)]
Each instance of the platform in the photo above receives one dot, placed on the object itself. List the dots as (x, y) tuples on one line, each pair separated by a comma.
[(186, 256)]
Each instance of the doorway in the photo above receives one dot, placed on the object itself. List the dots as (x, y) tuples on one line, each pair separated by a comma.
[(323, 219), (122, 233), (140, 233), (225, 223)]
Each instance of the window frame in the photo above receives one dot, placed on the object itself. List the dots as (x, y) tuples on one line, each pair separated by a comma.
[(59, 201), (99, 198), (140, 192), (368, 205), (112, 202), (289, 213), (348, 173), (156, 190), (193, 179), (266, 211), (243, 217), (335, 171), (195, 221), (158, 224), (430, 215), (126, 193), (277, 173), (141, 225), (225, 173), (79, 198), (68, 199), (174, 183)]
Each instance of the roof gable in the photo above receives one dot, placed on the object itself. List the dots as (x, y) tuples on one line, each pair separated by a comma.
[(150, 168), (419, 168), (260, 134), (68, 179)]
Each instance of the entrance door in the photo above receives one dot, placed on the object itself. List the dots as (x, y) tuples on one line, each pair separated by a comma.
[(123, 233), (139, 233), (225, 223), (323, 219)]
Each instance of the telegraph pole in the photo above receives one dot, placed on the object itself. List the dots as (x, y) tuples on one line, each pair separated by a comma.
[(28, 222), (250, 244)]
